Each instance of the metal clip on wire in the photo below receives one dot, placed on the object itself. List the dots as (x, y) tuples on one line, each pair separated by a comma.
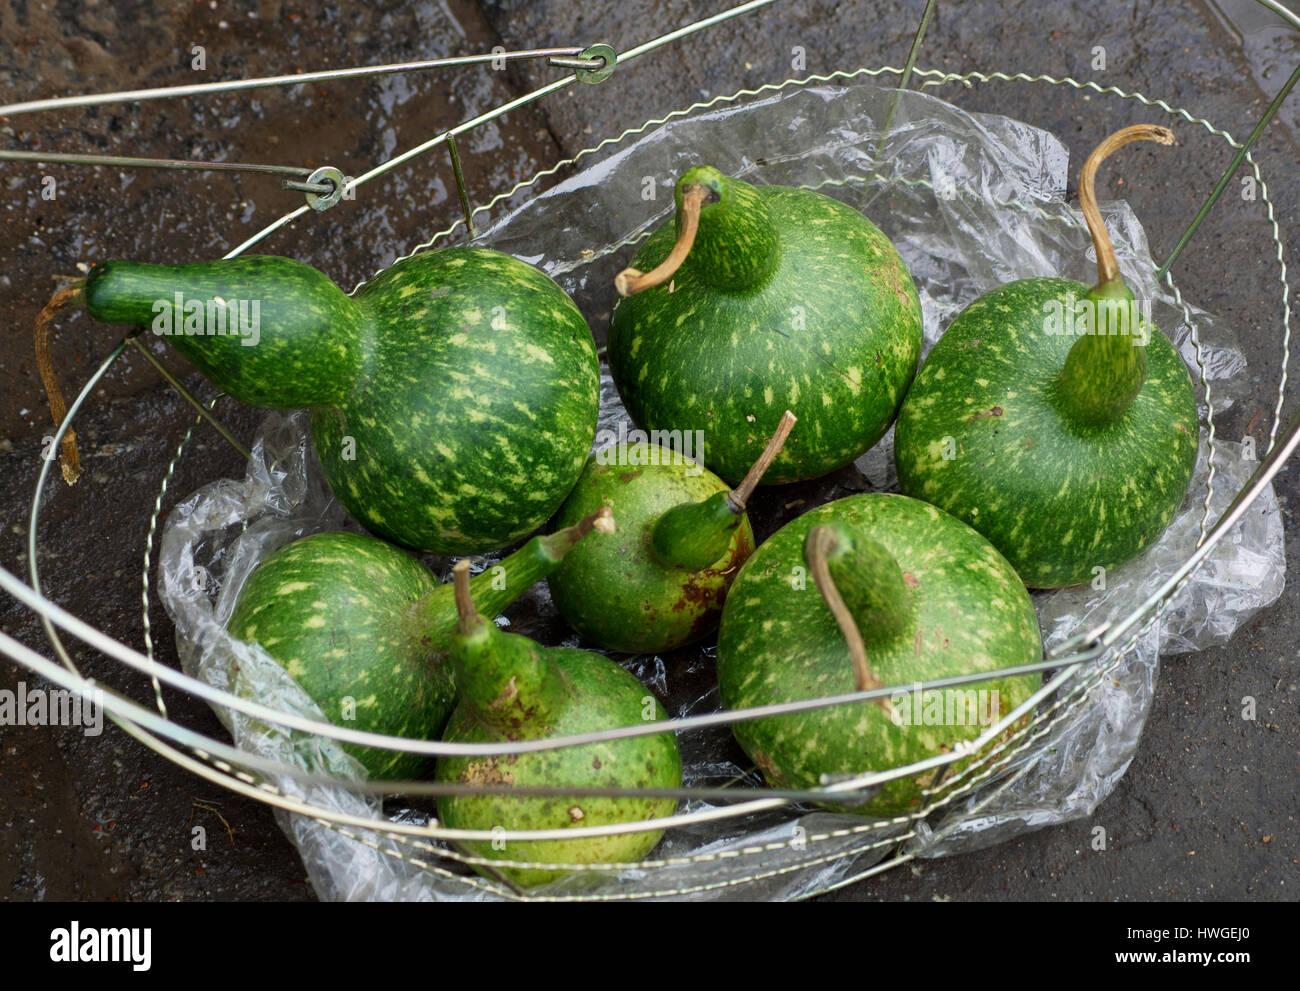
[(1082, 648), (323, 186)]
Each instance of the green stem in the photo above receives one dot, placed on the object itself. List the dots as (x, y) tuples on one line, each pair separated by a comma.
[(1106, 367), (496, 587), (694, 535), (505, 678)]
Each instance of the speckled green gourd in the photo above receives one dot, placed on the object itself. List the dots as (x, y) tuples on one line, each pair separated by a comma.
[(1070, 451), (514, 689), (661, 583), (626, 598), (362, 625), (453, 399), (932, 599), (786, 299)]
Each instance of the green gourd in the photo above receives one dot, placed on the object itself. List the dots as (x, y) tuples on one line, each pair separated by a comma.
[(1055, 419), (757, 300), (683, 534), (453, 398), (511, 688), (866, 592), (366, 629)]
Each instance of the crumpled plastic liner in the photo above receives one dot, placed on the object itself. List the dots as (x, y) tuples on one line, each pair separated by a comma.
[(971, 201)]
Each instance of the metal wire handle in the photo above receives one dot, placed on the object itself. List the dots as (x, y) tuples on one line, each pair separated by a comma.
[(326, 185)]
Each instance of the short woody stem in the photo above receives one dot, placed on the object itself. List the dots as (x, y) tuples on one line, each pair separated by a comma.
[(741, 493), (469, 617), (554, 546)]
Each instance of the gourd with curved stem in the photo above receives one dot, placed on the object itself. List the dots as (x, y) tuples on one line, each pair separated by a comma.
[(683, 534), (760, 299), (901, 593), (1054, 418)]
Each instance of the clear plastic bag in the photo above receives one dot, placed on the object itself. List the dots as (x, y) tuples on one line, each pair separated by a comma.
[(971, 201)]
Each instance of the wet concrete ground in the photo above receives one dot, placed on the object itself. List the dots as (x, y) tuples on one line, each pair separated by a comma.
[(1210, 808)]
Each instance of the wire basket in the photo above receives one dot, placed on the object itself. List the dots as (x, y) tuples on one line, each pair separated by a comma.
[(814, 853)]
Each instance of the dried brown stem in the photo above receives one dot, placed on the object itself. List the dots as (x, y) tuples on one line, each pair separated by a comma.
[(69, 459), (1107, 267), (631, 281), (470, 620), (821, 543), (741, 493), (602, 521), (559, 543)]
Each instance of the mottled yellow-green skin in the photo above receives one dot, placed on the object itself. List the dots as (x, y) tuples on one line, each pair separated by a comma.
[(453, 399), (583, 692), (779, 642), (366, 630), (788, 299), (338, 612), (980, 436), (476, 410), (615, 591)]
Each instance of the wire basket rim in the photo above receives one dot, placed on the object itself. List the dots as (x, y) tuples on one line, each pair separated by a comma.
[(329, 730)]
